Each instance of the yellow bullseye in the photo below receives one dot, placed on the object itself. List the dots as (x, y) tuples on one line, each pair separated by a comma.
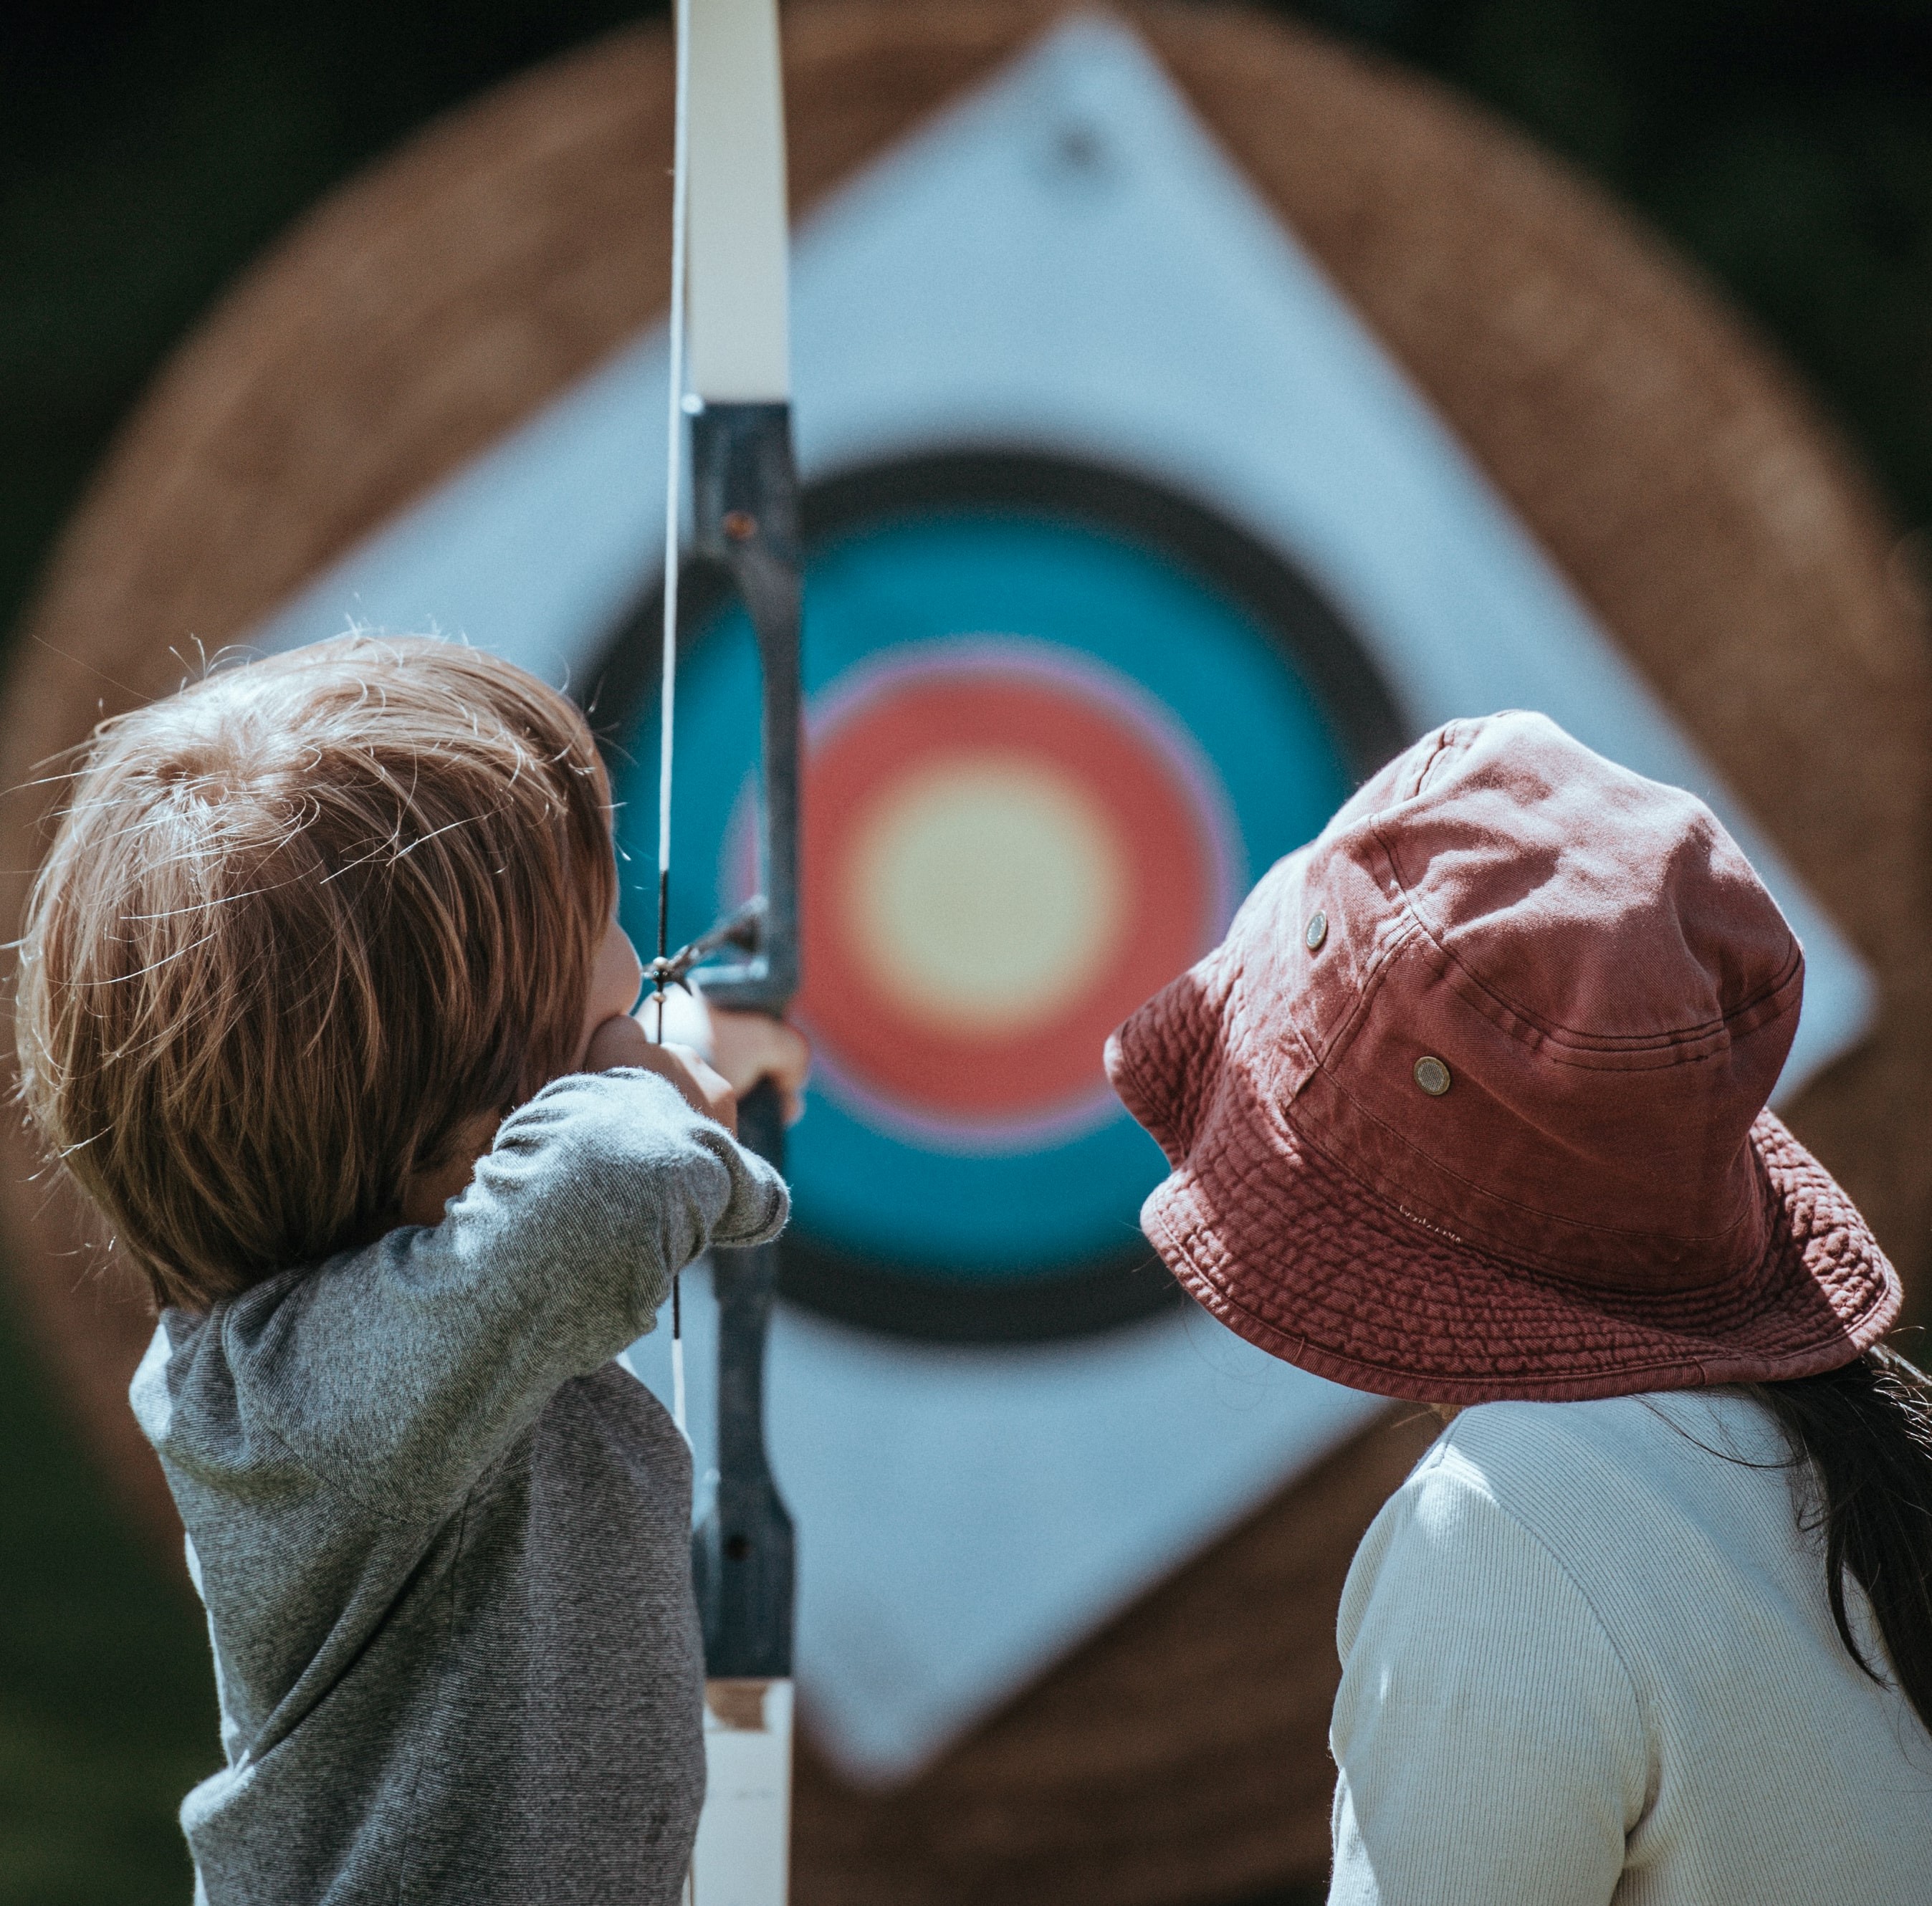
[(987, 892)]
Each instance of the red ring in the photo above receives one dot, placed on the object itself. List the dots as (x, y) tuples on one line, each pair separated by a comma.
[(1167, 856)]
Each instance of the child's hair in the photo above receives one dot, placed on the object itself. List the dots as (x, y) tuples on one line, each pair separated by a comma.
[(300, 922)]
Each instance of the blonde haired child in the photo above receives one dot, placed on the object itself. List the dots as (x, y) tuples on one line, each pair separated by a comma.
[(323, 1006)]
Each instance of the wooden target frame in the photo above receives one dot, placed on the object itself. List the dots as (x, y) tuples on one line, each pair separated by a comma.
[(1659, 452)]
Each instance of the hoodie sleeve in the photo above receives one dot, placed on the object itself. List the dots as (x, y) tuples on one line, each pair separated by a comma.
[(401, 1372)]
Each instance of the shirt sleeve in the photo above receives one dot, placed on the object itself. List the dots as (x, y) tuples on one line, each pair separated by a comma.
[(1488, 1737), (399, 1372)]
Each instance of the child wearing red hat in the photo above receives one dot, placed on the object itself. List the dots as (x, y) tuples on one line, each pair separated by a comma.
[(1468, 1108)]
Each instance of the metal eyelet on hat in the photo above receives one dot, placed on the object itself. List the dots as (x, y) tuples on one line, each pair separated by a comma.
[(1432, 1075), (1315, 932)]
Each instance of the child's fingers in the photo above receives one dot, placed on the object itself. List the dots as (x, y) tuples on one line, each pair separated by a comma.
[(616, 1041), (623, 1041), (748, 1047), (744, 1047), (686, 1019), (715, 1098)]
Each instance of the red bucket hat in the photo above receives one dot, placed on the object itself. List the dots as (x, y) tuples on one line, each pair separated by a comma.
[(1469, 1104)]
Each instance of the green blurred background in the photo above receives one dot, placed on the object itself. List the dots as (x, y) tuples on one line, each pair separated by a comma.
[(150, 151)]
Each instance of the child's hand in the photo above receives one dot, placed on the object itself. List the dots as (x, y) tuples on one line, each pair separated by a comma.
[(746, 1047), (750, 1046), (621, 1041)]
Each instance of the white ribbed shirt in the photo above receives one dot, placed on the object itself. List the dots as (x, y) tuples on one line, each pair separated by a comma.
[(1588, 1659)]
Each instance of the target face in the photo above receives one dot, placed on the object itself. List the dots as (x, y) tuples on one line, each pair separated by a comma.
[(1056, 723)]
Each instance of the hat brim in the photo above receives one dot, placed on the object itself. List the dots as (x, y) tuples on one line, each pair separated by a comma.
[(1286, 1249)]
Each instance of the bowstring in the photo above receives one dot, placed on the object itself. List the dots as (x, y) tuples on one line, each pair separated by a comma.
[(680, 194)]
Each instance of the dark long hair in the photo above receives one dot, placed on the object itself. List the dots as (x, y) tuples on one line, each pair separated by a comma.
[(1863, 1434)]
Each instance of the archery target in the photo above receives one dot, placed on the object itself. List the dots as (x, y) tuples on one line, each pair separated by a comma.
[(1056, 723)]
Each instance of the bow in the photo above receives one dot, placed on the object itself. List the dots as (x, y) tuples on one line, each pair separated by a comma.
[(729, 330)]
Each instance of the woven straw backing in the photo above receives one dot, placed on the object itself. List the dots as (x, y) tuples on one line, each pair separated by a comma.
[(1661, 456)]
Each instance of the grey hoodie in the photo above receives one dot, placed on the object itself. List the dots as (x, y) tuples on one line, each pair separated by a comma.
[(443, 1540)]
